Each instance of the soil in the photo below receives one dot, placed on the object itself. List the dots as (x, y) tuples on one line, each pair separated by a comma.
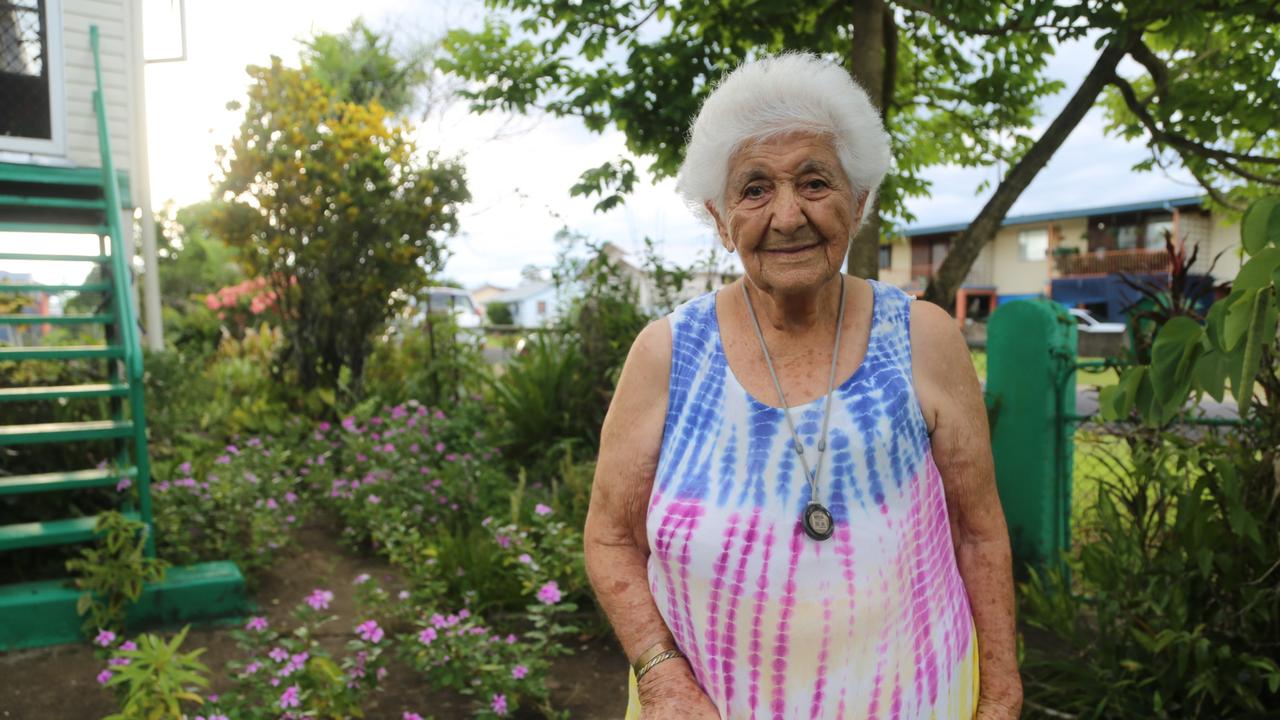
[(58, 683)]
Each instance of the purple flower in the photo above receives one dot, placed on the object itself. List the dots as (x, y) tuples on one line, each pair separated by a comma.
[(439, 447), (524, 558), (427, 636), (504, 542), (252, 668), (374, 499), (118, 661), (223, 459), (369, 631), (511, 639), (124, 484), (324, 427), (291, 497), (278, 654), (233, 449), (185, 468), (549, 593), (257, 624), (362, 578), (105, 638), (518, 672), (128, 645), (104, 677), (499, 704), (542, 510), (289, 698), (411, 716), (319, 599)]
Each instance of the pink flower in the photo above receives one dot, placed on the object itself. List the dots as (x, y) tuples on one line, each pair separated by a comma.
[(411, 716), (278, 654), (104, 677), (319, 599), (362, 578), (525, 559), (439, 447), (427, 636), (369, 631), (518, 672), (511, 639), (542, 510), (549, 593), (499, 704), (128, 645), (252, 668), (124, 484), (504, 542), (257, 624), (105, 638), (289, 698), (118, 661), (374, 499)]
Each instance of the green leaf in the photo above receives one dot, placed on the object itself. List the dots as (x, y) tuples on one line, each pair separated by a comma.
[(1211, 373), (1262, 330), (1261, 224), (1238, 318), (1173, 357), (1258, 271)]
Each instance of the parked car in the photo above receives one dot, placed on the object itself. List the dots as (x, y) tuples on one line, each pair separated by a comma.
[(447, 301), (1087, 323)]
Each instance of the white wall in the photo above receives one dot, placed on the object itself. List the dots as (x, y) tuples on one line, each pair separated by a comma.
[(113, 18)]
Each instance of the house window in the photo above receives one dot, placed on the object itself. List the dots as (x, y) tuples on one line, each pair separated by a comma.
[(542, 307), (24, 72), (886, 256), (1033, 244)]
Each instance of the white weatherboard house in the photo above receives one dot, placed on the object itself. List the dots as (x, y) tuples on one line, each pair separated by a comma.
[(49, 131)]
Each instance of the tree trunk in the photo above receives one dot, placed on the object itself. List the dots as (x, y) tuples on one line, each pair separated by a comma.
[(871, 62), (964, 250)]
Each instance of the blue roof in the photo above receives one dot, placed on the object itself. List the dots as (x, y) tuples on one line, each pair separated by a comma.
[(1194, 201)]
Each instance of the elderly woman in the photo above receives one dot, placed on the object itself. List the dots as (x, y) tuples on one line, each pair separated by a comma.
[(795, 513)]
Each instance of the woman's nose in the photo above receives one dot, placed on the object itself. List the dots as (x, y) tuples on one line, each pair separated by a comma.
[(788, 215)]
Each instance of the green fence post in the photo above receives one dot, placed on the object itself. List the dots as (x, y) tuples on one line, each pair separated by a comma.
[(1031, 355)]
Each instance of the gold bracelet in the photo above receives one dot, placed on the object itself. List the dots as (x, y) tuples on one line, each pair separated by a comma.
[(657, 660), (650, 653)]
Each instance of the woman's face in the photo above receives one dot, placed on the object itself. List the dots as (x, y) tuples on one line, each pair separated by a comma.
[(789, 212)]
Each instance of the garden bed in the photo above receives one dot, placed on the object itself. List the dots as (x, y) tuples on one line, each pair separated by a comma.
[(59, 682)]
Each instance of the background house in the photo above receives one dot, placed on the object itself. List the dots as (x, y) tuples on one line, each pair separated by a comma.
[(533, 303), (1075, 256)]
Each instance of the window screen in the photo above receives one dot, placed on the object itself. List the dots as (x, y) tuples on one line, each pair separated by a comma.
[(24, 69), (1033, 244)]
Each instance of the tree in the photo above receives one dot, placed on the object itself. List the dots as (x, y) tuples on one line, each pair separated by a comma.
[(958, 83), (331, 202), (362, 66), (1205, 98), (644, 67)]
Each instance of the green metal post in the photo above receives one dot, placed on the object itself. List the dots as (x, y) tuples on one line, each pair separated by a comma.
[(1031, 355), (126, 313)]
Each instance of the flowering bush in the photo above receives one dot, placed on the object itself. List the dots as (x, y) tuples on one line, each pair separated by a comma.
[(241, 506), (151, 678)]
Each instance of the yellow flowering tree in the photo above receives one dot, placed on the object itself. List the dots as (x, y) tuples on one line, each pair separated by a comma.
[(330, 201)]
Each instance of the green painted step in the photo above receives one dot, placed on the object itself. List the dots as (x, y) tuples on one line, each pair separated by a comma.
[(45, 288), (88, 177), (28, 201), (37, 614), (42, 257), (62, 352), (59, 228), (58, 392), (52, 532), (64, 432), (51, 482), (56, 319)]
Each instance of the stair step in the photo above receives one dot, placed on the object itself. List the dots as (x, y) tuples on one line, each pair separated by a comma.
[(55, 288), (25, 319), (62, 352), (89, 178), (52, 532), (64, 432), (50, 482), (58, 392), (59, 228), (42, 258), (27, 201)]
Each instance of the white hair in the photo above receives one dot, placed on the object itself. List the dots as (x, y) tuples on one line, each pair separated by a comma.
[(777, 95)]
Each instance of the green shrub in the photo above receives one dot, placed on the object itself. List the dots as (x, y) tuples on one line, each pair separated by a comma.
[(499, 313), (113, 572), (153, 679), (1172, 609), (436, 364)]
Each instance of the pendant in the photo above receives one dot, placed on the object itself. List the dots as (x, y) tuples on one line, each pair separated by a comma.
[(817, 522)]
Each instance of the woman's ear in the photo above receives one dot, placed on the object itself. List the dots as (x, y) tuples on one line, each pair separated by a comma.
[(721, 229), (861, 207)]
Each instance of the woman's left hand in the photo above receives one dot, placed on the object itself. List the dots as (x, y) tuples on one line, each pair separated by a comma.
[(993, 710)]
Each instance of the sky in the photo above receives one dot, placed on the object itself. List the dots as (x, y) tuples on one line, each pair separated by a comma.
[(520, 169)]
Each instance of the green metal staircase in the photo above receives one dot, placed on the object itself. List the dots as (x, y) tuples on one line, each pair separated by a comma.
[(38, 199)]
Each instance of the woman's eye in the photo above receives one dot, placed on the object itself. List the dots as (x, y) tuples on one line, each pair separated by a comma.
[(754, 192), (816, 184)]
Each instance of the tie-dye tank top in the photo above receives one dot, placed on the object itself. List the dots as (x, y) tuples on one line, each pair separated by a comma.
[(871, 623)]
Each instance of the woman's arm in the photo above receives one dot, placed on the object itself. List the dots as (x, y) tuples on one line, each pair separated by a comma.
[(951, 399), (615, 543)]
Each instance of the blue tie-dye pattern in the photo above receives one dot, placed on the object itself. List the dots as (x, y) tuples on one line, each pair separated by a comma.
[(718, 436)]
